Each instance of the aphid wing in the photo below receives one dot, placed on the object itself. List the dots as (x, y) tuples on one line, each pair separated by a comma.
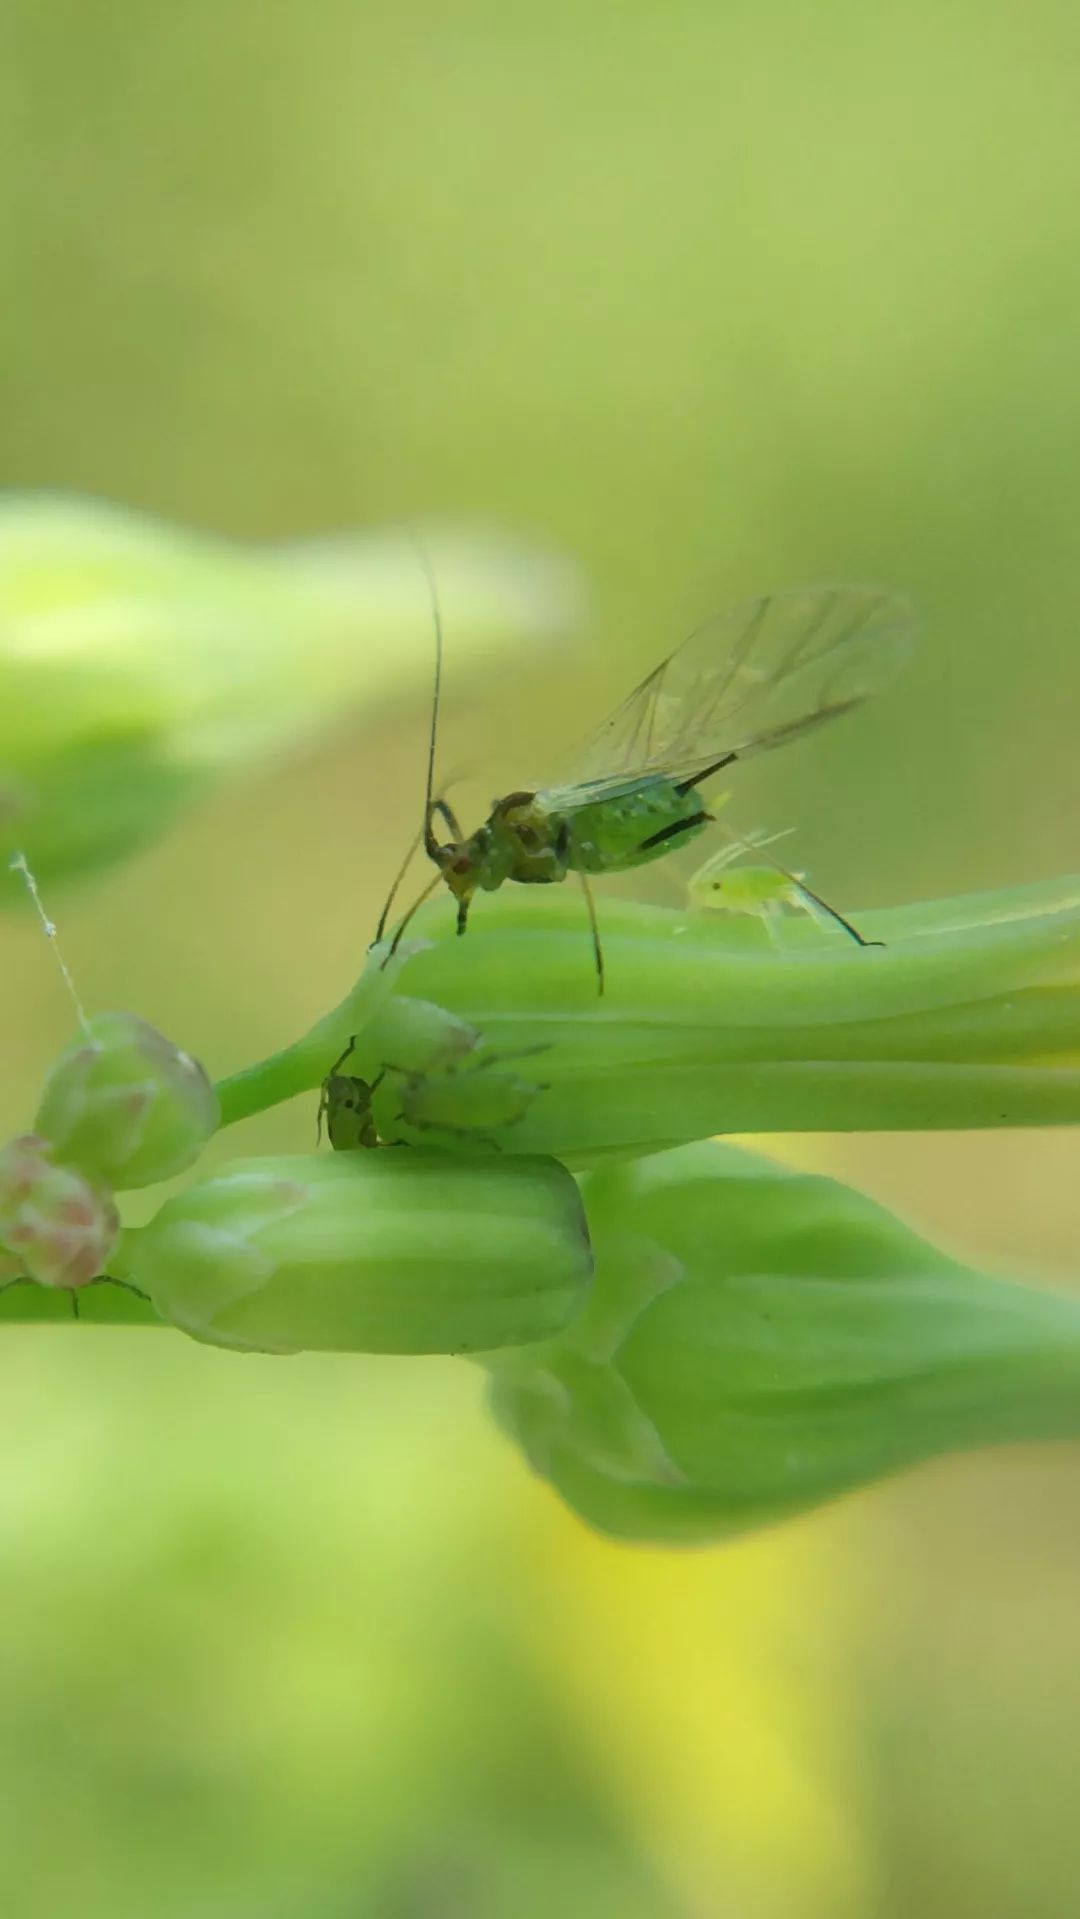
[(751, 679)]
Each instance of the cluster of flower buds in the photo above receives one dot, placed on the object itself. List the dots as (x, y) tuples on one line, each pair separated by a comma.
[(122, 1107), (753, 1340), (416, 1251)]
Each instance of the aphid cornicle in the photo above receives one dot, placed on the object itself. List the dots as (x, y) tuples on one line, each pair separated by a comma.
[(748, 681)]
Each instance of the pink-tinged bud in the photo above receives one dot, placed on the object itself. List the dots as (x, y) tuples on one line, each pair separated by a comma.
[(57, 1226)]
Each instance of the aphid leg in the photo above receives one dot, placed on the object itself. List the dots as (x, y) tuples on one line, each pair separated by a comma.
[(107, 1279), (431, 844), (403, 1072), (598, 951), (126, 1285), (833, 914), (448, 816), (20, 1279), (470, 1065), (468, 1133), (342, 1057), (773, 920)]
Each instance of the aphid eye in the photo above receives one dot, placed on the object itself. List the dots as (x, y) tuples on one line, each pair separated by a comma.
[(527, 835), (461, 864)]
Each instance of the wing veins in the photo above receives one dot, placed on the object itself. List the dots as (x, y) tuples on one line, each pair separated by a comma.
[(736, 661), (771, 656)]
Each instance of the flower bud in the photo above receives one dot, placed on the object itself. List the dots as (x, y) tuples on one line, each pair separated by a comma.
[(57, 1226), (125, 1104), (967, 1014), (140, 661), (394, 1251), (759, 1341)]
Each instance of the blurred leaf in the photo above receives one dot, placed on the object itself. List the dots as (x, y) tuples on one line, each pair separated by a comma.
[(139, 662)]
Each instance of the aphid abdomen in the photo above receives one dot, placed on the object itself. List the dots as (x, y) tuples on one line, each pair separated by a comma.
[(630, 828)]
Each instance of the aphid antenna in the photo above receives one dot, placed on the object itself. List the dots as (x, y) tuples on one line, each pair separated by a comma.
[(436, 691), (753, 842), (395, 887), (447, 814), (594, 930), (425, 836), (749, 846), (414, 908)]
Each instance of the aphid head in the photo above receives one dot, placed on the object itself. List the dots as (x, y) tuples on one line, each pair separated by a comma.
[(347, 1094), (346, 1106), (461, 863)]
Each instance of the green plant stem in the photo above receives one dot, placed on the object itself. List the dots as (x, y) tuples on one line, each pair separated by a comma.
[(303, 1065)]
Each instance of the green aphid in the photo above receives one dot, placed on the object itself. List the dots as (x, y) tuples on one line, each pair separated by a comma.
[(748, 681), (469, 1099), (764, 893), (746, 889), (752, 892), (346, 1106)]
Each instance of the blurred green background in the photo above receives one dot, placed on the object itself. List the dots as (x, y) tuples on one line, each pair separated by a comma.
[(718, 298)]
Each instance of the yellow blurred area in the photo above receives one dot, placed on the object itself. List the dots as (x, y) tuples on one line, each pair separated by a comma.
[(718, 298)]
